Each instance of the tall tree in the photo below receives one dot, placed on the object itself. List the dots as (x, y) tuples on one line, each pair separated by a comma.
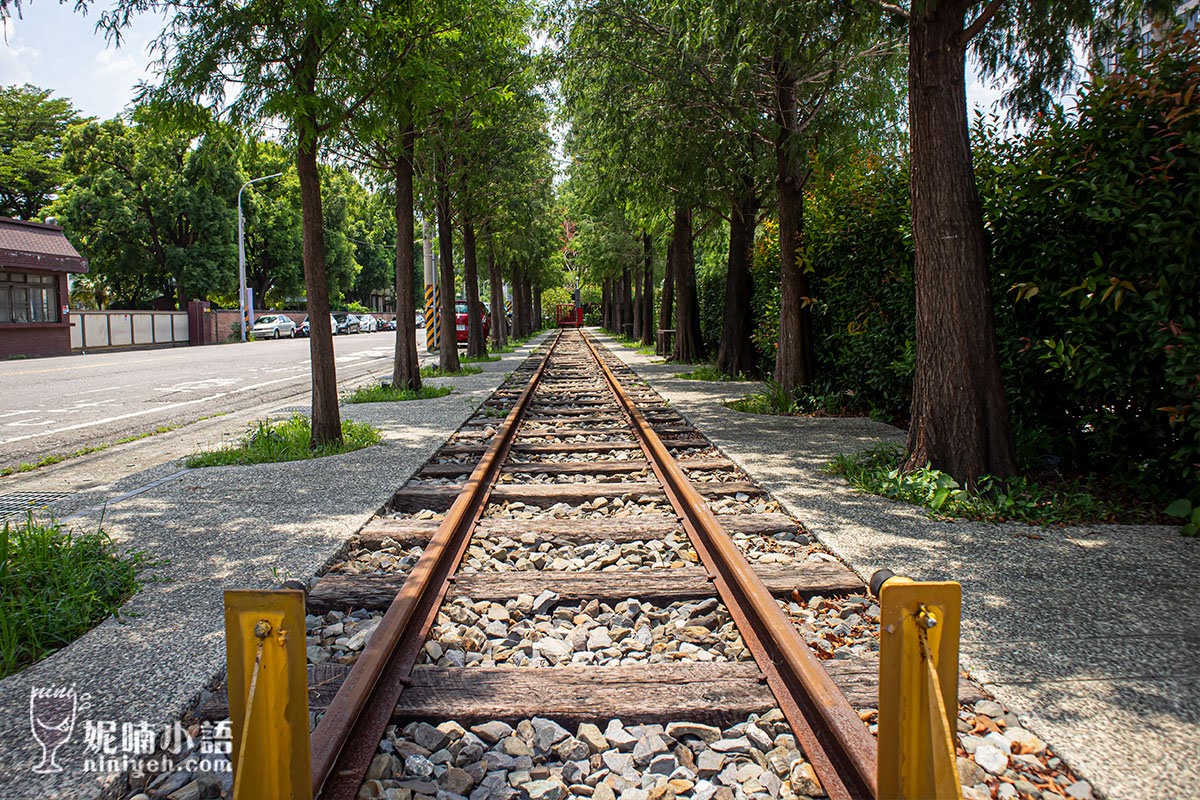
[(300, 64), (32, 126), (736, 353), (960, 420)]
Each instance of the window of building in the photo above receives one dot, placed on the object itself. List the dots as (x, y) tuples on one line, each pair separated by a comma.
[(28, 297)]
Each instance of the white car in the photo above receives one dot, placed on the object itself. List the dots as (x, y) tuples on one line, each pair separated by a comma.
[(367, 323), (274, 326)]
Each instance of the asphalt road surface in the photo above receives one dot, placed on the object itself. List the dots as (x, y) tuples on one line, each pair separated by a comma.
[(59, 405)]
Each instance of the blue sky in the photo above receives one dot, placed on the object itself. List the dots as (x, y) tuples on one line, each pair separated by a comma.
[(56, 48)]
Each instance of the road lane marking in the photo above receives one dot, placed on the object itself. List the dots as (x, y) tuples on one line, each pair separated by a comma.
[(154, 410), (143, 412)]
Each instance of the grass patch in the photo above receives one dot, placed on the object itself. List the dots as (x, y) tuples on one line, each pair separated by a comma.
[(387, 394), (268, 442), (1052, 501), (776, 400), (708, 372), (57, 458), (434, 371), (477, 359), (55, 586)]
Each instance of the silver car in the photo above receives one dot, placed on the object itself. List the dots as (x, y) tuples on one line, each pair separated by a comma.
[(274, 326)]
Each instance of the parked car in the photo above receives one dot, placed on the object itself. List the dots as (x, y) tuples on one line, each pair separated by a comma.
[(367, 323), (304, 330), (273, 326), (345, 322), (460, 314)]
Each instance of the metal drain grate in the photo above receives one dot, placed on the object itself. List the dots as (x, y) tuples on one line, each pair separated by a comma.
[(284, 413), (15, 503)]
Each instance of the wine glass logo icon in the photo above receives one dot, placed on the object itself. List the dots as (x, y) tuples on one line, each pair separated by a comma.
[(52, 719)]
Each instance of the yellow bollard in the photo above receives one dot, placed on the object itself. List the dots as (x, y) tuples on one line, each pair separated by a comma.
[(268, 694), (918, 688)]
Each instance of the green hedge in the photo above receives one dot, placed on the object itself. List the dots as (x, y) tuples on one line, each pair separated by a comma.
[(1095, 258)]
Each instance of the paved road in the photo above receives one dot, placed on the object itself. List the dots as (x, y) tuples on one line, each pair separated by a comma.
[(58, 405)]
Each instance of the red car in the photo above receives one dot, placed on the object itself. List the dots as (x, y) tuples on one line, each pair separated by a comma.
[(460, 321)]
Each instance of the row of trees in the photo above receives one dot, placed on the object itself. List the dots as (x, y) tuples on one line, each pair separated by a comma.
[(438, 106), (688, 116), (151, 200)]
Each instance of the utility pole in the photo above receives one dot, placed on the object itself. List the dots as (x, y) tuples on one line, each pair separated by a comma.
[(242, 255)]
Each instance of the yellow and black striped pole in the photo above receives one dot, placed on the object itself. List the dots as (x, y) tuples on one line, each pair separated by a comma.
[(431, 292), (431, 327)]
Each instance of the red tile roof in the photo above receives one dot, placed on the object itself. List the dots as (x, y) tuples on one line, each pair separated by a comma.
[(37, 245)]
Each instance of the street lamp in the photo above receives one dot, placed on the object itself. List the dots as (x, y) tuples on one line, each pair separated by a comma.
[(242, 252)]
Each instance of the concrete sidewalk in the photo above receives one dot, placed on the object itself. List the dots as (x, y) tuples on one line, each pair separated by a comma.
[(1090, 634), (210, 530)]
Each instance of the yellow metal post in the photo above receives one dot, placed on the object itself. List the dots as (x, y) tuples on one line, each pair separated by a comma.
[(918, 689), (268, 694)]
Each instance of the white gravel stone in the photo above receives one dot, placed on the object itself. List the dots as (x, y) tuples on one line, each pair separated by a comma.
[(991, 758)]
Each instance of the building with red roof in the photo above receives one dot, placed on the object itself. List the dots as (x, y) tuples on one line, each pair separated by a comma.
[(35, 259)]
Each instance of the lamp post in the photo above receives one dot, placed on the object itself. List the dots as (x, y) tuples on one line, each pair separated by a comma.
[(242, 253)]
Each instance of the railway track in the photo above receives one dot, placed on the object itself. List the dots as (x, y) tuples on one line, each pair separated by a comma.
[(585, 597)]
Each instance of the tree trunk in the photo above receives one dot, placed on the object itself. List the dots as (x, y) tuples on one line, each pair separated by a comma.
[(606, 304), (626, 304), (666, 311), (326, 418), (518, 307), (537, 307), (689, 346), (406, 372), (795, 359), (496, 287), (960, 422), (476, 345), (447, 333), (638, 333), (648, 331), (736, 353)]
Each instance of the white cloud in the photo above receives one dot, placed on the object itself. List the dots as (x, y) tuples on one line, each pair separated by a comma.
[(17, 59), (60, 49)]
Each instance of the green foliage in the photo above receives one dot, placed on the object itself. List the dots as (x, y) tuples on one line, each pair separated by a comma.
[(56, 585), (1096, 265), (32, 126), (377, 393), (878, 471), (268, 442), (1183, 510), (859, 244), (765, 263), (151, 205)]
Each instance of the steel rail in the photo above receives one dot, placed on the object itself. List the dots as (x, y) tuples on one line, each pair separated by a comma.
[(345, 740), (834, 739)]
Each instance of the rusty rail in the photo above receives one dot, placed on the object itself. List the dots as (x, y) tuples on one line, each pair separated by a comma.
[(840, 748), (346, 738)]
